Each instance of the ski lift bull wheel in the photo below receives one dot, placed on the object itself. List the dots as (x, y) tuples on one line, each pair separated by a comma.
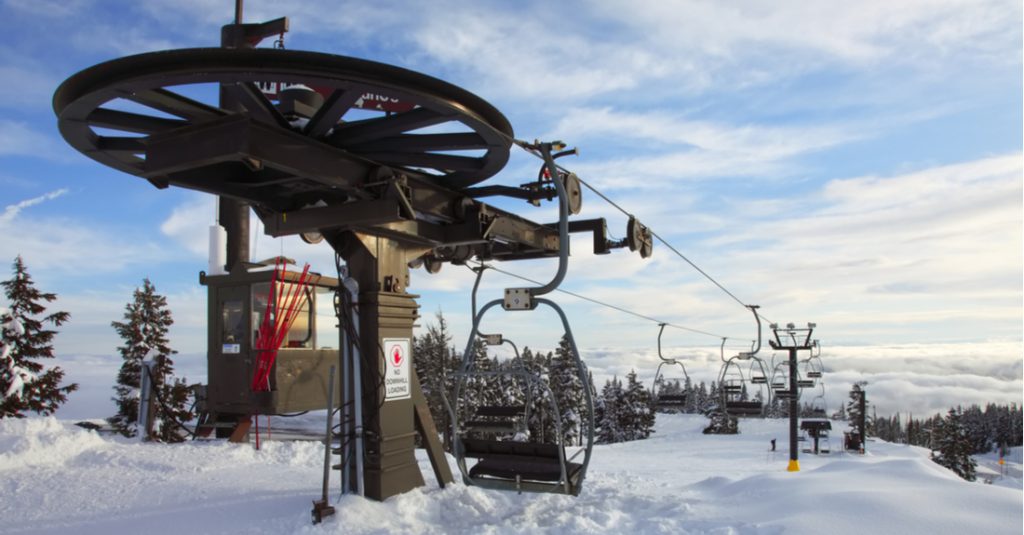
[(109, 111)]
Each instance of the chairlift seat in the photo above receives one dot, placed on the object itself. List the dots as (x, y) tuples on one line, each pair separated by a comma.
[(816, 425), (671, 400), (743, 408), (526, 460), (814, 375), (525, 468), (492, 426), (759, 380), (732, 389), (784, 394), (804, 383), (501, 411)]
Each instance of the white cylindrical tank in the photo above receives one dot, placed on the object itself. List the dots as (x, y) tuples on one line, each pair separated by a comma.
[(218, 250)]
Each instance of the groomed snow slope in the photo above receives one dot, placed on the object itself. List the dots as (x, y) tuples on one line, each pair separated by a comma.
[(57, 478)]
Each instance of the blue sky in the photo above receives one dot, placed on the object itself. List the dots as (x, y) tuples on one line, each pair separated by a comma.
[(853, 164)]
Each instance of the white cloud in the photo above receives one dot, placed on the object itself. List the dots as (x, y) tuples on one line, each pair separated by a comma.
[(677, 149), (934, 246), (920, 378), (63, 245), (862, 34), (525, 56), (189, 223), (12, 210)]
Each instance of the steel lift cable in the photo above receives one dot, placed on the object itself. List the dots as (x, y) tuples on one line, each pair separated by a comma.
[(528, 148), (611, 306)]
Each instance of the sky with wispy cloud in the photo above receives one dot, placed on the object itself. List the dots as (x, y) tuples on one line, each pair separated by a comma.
[(858, 165)]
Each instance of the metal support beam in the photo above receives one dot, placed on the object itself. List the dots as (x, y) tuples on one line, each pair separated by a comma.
[(794, 413), (386, 311)]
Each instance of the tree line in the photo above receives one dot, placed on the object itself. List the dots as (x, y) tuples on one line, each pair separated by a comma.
[(985, 429), (542, 383), (957, 435)]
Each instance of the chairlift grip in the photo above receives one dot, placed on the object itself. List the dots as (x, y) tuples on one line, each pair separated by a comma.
[(563, 238)]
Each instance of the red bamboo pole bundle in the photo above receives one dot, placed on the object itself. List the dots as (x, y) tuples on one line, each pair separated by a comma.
[(284, 303)]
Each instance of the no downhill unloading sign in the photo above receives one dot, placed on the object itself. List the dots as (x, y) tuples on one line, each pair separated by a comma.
[(397, 384)]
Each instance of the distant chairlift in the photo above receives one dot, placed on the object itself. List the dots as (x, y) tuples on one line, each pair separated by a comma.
[(665, 395), (731, 379), (813, 365), (780, 381)]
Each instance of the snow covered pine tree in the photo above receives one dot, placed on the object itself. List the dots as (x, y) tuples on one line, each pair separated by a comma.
[(23, 383), (607, 412), (144, 332), (954, 446), (635, 409)]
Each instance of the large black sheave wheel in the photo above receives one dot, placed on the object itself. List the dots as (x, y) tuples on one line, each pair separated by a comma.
[(109, 111)]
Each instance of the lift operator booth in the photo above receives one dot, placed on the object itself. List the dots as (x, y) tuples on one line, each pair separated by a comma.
[(237, 303)]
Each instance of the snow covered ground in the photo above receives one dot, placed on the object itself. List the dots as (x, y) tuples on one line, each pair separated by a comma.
[(58, 478)]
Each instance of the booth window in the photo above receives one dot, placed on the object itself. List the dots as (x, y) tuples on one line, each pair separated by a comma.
[(300, 335), (232, 327), (326, 319)]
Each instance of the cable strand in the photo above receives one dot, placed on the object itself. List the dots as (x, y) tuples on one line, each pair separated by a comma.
[(614, 307)]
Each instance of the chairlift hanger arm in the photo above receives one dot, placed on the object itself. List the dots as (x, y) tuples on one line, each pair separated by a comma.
[(757, 318), (661, 330), (526, 298)]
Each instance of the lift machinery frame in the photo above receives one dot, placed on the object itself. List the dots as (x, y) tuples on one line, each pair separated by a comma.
[(385, 194)]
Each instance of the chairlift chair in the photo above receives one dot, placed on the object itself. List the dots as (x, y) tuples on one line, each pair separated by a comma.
[(542, 466), (731, 379), (661, 400), (523, 466)]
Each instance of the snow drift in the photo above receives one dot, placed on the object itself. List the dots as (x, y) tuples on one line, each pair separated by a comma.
[(57, 478)]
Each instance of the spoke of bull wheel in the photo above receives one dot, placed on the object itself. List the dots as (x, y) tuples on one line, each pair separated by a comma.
[(133, 145), (174, 104), (131, 122), (332, 110), (424, 143), (373, 129), (255, 102), (441, 162)]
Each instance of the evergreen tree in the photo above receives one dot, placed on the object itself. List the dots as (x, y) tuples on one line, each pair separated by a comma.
[(608, 419), (954, 446), (24, 384), (721, 424), (636, 419), (144, 333), (435, 366), (853, 412), (691, 397), (568, 391)]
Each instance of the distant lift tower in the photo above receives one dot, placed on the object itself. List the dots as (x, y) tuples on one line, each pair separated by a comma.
[(792, 339)]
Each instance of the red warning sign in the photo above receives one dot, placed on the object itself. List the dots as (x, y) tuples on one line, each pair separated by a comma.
[(397, 379)]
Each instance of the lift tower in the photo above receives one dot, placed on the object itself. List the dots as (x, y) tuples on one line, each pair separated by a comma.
[(792, 340), (378, 161)]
